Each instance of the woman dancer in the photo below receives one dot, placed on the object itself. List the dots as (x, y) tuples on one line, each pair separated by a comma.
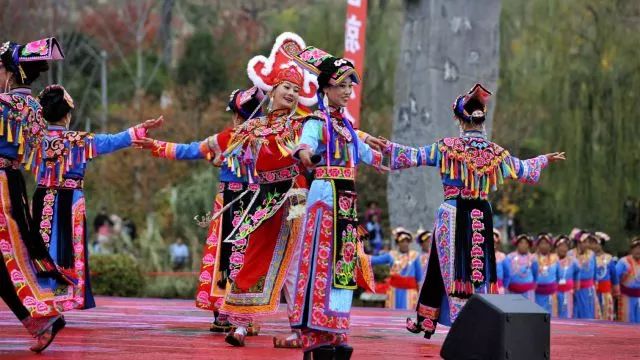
[(59, 163), (462, 260), (329, 262), (234, 193), (24, 254)]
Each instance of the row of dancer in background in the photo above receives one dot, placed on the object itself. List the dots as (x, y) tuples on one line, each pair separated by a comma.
[(406, 268), (582, 283)]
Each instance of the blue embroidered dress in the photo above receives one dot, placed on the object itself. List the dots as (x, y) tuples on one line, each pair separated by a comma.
[(628, 271), (462, 261), (329, 261), (59, 203)]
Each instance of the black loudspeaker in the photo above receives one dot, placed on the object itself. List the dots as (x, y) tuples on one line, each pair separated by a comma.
[(492, 327)]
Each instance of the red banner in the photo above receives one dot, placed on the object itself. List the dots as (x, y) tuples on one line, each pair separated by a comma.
[(354, 40)]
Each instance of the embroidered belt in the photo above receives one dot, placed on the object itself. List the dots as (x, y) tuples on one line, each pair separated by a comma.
[(335, 172), (454, 192), (546, 289), (72, 184), (236, 186), (631, 292), (584, 284), (274, 176), (604, 286), (521, 287), (9, 163), (567, 286)]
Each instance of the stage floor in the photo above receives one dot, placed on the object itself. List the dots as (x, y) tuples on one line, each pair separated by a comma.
[(158, 329)]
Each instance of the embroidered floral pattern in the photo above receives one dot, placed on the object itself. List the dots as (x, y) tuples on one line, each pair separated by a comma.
[(204, 293), (47, 216), (270, 205), (477, 252), (345, 267), (335, 172), (268, 177)]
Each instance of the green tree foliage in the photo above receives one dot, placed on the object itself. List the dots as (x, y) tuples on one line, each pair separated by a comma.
[(202, 66)]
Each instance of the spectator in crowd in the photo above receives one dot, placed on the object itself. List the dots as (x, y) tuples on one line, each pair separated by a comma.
[(129, 228), (179, 253), (630, 213), (102, 225), (373, 209), (375, 233)]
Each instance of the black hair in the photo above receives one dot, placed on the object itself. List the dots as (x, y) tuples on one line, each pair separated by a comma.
[(54, 106), (31, 69), (327, 69)]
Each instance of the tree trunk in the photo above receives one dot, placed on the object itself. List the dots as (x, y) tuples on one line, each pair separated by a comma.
[(447, 46)]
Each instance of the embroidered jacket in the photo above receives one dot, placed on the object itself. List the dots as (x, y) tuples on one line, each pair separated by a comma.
[(63, 154), (21, 124), (470, 166), (208, 149)]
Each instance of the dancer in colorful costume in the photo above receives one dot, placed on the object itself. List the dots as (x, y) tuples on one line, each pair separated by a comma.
[(567, 276), (218, 267), (406, 273), (463, 264), (606, 280), (330, 260), (519, 268), (547, 271), (261, 150), (58, 203), (500, 256), (586, 304), (628, 271), (25, 258)]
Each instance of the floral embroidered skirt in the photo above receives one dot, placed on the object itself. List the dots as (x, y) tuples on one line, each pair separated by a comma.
[(461, 263), (15, 224), (62, 218), (327, 265), (269, 238), (221, 261)]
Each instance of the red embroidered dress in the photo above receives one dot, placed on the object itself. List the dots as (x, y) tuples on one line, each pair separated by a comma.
[(260, 149)]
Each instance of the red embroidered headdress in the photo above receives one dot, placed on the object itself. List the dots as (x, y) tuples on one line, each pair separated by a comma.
[(268, 72)]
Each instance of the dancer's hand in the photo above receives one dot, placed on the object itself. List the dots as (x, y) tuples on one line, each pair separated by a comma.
[(305, 157), (376, 143), (556, 156), (152, 123), (143, 143)]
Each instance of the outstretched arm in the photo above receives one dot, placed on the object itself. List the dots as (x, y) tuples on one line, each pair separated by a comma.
[(108, 143), (404, 157), (529, 171)]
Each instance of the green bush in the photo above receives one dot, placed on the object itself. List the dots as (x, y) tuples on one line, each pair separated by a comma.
[(116, 275)]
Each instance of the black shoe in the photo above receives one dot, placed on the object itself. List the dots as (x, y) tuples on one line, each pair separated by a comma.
[(326, 352), (45, 339), (343, 352)]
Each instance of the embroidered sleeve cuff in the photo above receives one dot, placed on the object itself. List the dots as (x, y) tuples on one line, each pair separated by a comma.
[(137, 132), (376, 160), (362, 135), (164, 149), (531, 169), (402, 157)]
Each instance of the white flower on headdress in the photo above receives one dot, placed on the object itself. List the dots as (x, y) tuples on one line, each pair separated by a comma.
[(339, 62)]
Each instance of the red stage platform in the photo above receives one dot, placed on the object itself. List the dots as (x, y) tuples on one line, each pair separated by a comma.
[(157, 329)]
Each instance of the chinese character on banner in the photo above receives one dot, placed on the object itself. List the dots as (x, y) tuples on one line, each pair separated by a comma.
[(354, 46)]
